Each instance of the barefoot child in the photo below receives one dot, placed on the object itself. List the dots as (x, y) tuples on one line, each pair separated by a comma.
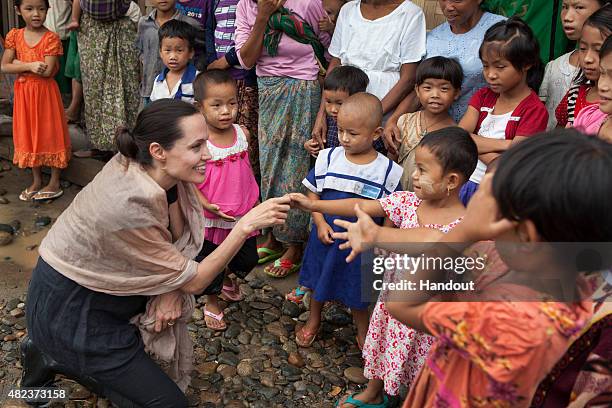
[(438, 85), (40, 131), (351, 170), (393, 352), (508, 110), (229, 190), (176, 48)]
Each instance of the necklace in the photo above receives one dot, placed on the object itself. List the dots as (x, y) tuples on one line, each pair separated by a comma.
[(424, 131)]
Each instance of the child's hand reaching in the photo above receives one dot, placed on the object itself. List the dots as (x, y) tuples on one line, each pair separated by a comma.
[(301, 202), (312, 147), (38, 67), (214, 208), (324, 233)]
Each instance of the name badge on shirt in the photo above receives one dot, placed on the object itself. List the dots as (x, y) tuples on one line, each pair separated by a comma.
[(368, 191)]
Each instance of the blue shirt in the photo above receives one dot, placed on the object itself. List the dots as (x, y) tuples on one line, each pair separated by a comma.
[(441, 41)]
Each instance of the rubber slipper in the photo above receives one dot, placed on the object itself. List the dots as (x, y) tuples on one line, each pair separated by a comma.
[(305, 335), (361, 404), (232, 292), (27, 195), (47, 195), (296, 295), (271, 255), (286, 265), (217, 317)]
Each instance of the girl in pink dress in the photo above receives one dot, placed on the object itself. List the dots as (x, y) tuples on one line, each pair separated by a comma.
[(229, 190), (393, 352)]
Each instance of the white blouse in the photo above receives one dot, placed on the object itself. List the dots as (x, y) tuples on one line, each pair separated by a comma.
[(379, 47), (557, 80)]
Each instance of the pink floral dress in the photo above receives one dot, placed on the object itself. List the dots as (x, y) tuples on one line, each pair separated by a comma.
[(394, 352)]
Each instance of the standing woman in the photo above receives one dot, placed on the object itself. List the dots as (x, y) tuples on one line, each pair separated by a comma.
[(120, 259), (288, 60), (110, 71)]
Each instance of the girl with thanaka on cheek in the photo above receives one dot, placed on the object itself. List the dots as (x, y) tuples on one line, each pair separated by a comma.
[(498, 350), (394, 352)]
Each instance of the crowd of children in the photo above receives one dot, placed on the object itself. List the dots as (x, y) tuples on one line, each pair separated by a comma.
[(376, 58)]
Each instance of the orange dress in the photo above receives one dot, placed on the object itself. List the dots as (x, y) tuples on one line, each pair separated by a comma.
[(493, 354), (40, 130)]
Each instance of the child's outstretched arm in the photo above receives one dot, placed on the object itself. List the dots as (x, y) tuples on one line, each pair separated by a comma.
[(344, 208)]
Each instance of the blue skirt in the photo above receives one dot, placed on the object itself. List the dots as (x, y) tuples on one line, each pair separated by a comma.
[(467, 191), (324, 268)]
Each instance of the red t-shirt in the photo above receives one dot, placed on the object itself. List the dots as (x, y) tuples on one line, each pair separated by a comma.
[(528, 118), (562, 111)]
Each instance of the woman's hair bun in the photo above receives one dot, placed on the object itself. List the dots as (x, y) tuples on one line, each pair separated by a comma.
[(125, 142)]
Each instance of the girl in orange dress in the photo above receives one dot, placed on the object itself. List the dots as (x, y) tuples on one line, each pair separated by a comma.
[(40, 131)]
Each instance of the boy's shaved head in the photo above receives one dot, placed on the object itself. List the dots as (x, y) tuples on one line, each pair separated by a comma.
[(366, 106)]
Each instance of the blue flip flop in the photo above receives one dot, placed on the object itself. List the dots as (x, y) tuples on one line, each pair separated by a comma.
[(361, 404)]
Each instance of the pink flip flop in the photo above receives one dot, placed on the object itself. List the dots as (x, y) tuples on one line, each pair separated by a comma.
[(232, 292), (217, 317)]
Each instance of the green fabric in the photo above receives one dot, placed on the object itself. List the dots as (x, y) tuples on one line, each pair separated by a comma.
[(540, 16), (285, 21), (63, 82), (73, 63)]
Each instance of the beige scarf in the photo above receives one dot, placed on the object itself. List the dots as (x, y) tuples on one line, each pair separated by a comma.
[(114, 239)]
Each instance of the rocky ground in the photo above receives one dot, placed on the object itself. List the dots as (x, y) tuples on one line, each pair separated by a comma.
[(254, 363)]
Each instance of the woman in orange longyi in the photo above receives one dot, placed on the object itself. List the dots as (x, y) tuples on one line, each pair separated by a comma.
[(40, 131)]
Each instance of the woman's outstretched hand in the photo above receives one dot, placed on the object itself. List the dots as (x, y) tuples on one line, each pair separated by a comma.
[(270, 212), (360, 235)]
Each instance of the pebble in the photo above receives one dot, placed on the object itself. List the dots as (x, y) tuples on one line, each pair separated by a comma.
[(260, 305), (5, 238), (267, 392), (304, 316), (42, 221), (208, 368), (4, 200), (355, 374), (244, 369), (207, 397), (232, 331), (337, 315), (290, 309), (16, 225), (197, 314), (228, 358), (244, 338), (16, 312), (226, 371), (277, 329), (78, 392), (296, 359), (267, 378)]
